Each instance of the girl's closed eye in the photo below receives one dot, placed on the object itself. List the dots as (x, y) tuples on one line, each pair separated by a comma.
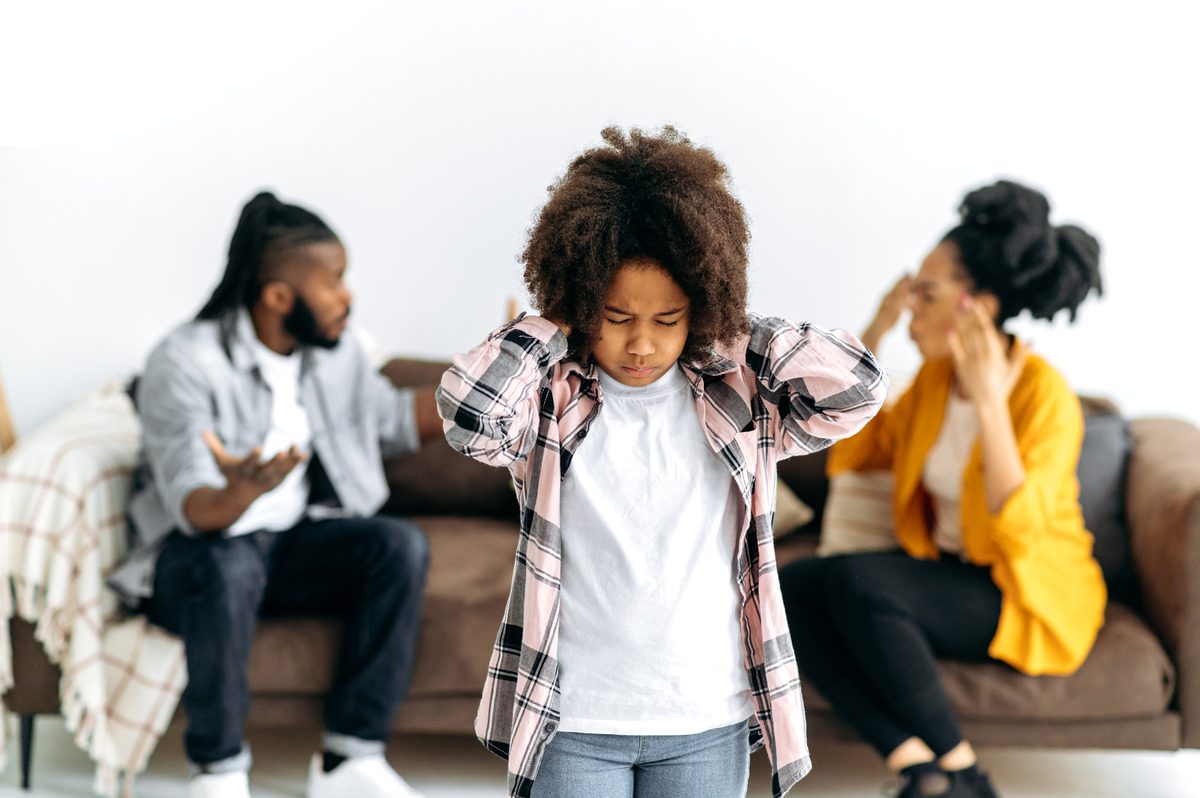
[(626, 321)]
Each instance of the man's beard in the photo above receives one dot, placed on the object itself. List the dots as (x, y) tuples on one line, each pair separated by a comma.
[(302, 325)]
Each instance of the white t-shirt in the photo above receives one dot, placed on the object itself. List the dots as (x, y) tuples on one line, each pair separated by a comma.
[(283, 507), (650, 637), (943, 473)]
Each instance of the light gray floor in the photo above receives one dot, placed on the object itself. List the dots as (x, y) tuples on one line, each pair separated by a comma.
[(456, 767)]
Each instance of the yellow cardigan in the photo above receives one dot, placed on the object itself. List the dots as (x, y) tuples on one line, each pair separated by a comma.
[(1040, 554)]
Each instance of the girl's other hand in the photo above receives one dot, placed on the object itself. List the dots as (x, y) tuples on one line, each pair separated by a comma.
[(510, 312), (562, 325)]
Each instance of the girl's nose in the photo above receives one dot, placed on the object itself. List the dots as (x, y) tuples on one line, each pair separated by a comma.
[(640, 345)]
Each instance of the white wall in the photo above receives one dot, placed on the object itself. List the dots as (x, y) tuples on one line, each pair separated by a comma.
[(427, 133)]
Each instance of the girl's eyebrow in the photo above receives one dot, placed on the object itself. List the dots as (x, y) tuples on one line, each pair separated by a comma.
[(672, 312)]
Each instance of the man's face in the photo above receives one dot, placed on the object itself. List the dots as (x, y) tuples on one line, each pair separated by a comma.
[(321, 309)]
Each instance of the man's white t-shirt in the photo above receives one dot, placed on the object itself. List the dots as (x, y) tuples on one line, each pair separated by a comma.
[(650, 639), (283, 507)]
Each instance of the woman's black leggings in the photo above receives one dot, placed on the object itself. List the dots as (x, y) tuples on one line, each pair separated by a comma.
[(868, 629)]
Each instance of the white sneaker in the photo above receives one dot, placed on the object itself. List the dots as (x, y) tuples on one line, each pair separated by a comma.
[(219, 785), (358, 777)]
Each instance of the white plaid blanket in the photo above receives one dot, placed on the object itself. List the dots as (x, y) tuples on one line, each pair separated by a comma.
[(62, 529)]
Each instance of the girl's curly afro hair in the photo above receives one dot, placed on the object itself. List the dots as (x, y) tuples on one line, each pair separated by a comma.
[(641, 196)]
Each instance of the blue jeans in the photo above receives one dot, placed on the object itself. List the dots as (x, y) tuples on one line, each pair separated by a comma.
[(713, 764)]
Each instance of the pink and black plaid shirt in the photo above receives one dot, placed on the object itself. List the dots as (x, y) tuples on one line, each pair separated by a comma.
[(785, 389)]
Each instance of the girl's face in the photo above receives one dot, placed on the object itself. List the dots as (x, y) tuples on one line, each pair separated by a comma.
[(936, 298), (644, 324)]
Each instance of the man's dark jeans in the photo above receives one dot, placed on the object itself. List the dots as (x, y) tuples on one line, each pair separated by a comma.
[(210, 590)]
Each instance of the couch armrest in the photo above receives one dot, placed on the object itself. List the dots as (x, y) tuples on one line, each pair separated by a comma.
[(1163, 511), (63, 491)]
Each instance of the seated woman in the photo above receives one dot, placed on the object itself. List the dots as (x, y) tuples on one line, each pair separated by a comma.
[(994, 560)]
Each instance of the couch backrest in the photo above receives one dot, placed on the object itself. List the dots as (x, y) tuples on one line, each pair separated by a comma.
[(437, 480)]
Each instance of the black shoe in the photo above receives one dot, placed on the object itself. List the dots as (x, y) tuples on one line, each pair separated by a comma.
[(944, 785), (925, 785), (974, 784)]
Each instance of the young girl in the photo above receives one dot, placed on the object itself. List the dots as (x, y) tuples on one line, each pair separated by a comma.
[(644, 649), (995, 563)]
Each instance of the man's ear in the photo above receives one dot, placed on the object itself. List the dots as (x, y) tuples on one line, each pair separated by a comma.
[(278, 297)]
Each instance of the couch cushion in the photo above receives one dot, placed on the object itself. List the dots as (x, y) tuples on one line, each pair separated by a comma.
[(791, 514), (858, 514), (1103, 463), (470, 570), (805, 475), (1127, 675), (439, 480)]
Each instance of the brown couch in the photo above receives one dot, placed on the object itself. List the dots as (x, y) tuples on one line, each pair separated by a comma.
[(1140, 688)]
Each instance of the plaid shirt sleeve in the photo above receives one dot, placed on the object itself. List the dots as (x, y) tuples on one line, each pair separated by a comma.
[(824, 384), (488, 398)]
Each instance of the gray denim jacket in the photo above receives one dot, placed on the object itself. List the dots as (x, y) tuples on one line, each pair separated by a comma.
[(205, 376)]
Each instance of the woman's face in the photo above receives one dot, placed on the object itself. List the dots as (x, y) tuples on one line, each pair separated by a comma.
[(643, 326), (936, 297)]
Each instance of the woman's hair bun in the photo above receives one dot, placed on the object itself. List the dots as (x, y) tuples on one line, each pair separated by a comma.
[(1009, 248)]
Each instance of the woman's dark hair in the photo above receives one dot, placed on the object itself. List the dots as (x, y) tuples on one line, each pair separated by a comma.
[(642, 196), (265, 230), (1008, 248)]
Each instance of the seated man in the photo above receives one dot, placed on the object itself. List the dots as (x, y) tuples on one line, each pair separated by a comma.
[(264, 429)]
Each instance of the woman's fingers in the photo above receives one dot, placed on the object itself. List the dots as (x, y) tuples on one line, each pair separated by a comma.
[(977, 330), (967, 332), (957, 350), (900, 290), (896, 299)]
